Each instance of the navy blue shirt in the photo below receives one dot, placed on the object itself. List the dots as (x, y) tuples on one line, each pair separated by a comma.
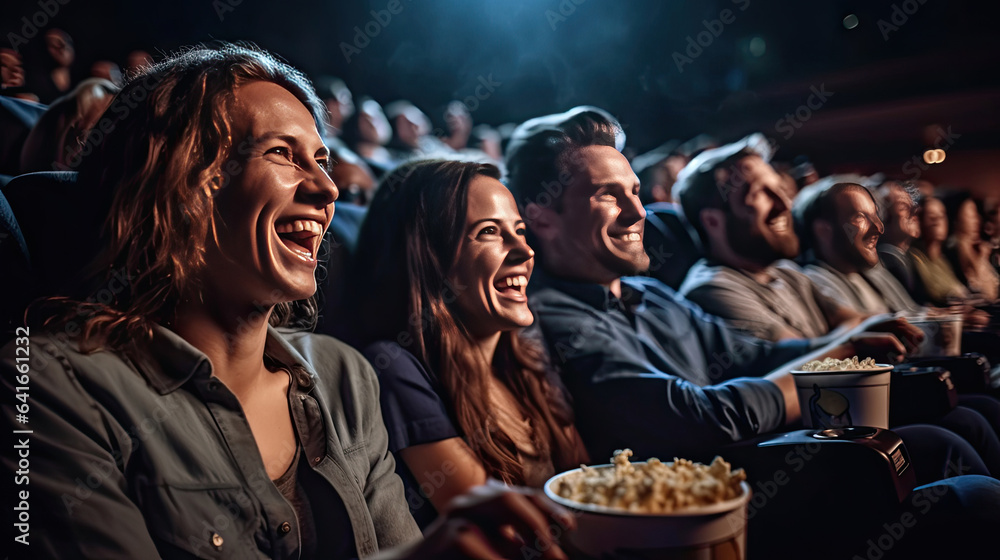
[(653, 372), (413, 413)]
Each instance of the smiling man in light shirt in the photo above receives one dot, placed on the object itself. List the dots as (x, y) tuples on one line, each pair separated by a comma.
[(733, 199)]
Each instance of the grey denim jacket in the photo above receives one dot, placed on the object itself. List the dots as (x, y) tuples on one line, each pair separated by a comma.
[(152, 457)]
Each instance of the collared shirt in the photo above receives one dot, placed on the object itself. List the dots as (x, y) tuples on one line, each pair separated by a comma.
[(150, 455), (900, 264), (653, 372), (788, 302), (872, 291)]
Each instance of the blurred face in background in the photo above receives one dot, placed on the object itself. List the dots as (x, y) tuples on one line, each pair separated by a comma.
[(902, 223), (373, 127), (934, 221), (759, 219), (11, 71), (858, 228), (992, 226), (60, 47), (968, 222)]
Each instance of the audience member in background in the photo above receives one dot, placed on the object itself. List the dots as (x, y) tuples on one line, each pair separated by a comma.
[(136, 61), (338, 100), (107, 70), (941, 286), (898, 212), (57, 139), (353, 177), (52, 78), (736, 204), (991, 231), (463, 392), (734, 200), (459, 122), (657, 171), (838, 225), (411, 132), (803, 172), (278, 435), (839, 229), (488, 140), (968, 253), (12, 75), (366, 132)]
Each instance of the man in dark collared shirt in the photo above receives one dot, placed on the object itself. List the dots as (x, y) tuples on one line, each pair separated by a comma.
[(646, 368)]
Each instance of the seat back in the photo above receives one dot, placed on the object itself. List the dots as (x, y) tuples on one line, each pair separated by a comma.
[(670, 242), (60, 222), (343, 237)]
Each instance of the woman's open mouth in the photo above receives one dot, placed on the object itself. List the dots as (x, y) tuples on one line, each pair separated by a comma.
[(301, 237), (512, 287)]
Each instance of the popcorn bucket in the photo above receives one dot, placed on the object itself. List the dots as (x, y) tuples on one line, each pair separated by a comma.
[(713, 532), (838, 399)]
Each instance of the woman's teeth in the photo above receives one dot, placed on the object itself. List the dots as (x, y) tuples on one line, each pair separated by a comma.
[(779, 224), (299, 225), (517, 281), (632, 237)]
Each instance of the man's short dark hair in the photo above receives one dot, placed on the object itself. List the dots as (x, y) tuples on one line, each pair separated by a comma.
[(537, 167), (817, 202), (698, 187)]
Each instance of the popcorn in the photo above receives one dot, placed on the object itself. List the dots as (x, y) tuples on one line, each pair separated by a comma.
[(831, 364), (653, 487)]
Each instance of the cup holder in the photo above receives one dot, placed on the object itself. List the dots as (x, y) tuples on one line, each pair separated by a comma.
[(850, 432)]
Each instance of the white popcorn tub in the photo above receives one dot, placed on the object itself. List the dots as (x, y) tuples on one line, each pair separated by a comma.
[(838, 399), (717, 531)]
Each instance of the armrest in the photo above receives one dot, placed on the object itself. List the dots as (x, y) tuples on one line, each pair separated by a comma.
[(803, 483), (920, 395), (969, 372), (985, 342)]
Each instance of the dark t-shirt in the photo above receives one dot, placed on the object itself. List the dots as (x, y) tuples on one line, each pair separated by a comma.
[(413, 413)]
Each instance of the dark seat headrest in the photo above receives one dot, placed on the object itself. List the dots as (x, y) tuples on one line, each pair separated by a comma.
[(670, 243)]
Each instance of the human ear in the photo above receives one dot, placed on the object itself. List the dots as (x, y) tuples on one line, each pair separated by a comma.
[(542, 221), (713, 220)]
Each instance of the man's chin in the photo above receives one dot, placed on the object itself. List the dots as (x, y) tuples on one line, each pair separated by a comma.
[(630, 265)]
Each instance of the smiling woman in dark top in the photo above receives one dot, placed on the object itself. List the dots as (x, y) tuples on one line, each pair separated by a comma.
[(441, 279)]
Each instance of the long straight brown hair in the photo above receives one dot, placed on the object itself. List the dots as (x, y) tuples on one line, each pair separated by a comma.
[(407, 245)]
